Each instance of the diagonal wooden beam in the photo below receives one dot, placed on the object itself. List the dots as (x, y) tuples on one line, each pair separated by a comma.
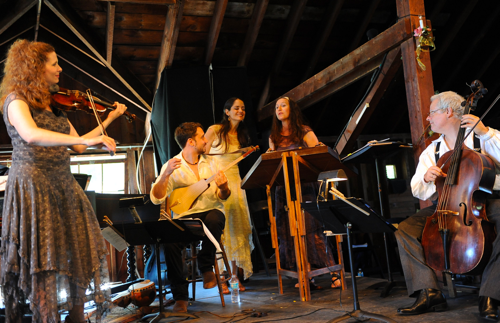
[(169, 39), (110, 28), (366, 20), (215, 25), (17, 11), (253, 31), (291, 27), (453, 31), (329, 20), (363, 114), (70, 19), (361, 61)]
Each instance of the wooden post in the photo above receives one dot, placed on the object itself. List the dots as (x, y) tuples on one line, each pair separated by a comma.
[(419, 84)]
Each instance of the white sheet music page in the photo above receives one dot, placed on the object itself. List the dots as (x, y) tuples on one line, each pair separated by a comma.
[(114, 238)]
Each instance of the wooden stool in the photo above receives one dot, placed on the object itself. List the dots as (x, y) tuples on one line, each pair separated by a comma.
[(222, 277)]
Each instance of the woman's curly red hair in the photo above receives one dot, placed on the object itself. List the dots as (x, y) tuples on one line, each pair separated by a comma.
[(24, 73)]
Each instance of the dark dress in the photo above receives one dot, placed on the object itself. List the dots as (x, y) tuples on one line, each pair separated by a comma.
[(318, 254), (52, 246)]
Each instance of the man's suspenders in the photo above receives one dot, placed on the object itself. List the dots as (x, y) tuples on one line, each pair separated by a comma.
[(477, 147)]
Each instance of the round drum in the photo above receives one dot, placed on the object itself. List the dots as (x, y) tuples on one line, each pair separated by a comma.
[(143, 293), (123, 299)]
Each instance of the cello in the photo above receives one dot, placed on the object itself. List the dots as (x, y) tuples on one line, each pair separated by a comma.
[(458, 238)]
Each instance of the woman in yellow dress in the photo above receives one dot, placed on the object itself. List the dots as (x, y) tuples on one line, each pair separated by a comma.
[(225, 137)]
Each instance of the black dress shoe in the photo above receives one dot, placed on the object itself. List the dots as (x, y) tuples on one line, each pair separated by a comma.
[(428, 300), (488, 308)]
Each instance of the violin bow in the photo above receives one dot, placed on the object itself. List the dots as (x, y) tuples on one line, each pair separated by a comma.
[(99, 122)]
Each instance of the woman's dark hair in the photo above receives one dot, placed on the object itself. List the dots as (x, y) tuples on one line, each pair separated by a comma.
[(296, 123), (223, 133)]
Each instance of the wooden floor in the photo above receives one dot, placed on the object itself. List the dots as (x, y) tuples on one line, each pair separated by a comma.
[(262, 297)]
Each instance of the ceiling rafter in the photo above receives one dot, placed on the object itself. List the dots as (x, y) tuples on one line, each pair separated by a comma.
[(329, 20), (213, 33), (472, 47), (361, 61), (291, 27), (366, 20), (169, 2), (62, 13), (19, 9), (253, 31), (110, 28), (169, 39), (453, 31)]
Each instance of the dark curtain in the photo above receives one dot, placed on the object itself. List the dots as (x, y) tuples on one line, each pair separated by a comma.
[(184, 94)]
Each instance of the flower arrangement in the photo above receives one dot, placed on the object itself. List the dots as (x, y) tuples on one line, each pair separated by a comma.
[(425, 41)]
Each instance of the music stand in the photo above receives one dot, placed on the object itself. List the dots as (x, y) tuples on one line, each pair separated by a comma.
[(349, 217), (158, 232), (367, 154)]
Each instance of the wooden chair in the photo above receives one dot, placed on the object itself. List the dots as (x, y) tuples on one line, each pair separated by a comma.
[(221, 276)]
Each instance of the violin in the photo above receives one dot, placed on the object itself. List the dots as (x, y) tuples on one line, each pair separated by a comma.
[(458, 237), (72, 100)]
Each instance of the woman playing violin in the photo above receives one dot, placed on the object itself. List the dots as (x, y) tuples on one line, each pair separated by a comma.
[(52, 248), (446, 117)]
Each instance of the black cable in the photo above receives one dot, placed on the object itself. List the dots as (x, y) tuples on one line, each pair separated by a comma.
[(294, 317)]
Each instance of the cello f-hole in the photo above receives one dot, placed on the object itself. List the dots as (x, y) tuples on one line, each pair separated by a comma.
[(464, 212)]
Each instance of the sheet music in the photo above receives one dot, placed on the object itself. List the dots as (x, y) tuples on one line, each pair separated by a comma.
[(114, 238)]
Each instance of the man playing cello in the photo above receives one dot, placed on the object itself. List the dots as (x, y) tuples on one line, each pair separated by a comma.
[(446, 117)]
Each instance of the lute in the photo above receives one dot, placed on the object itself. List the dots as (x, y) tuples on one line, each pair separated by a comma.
[(182, 199)]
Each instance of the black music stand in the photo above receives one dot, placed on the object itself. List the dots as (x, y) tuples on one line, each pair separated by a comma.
[(158, 232), (367, 154), (353, 215)]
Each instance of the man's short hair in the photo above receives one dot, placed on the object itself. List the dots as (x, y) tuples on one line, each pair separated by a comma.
[(450, 99), (185, 131)]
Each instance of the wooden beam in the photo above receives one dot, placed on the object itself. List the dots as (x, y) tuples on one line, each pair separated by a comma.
[(418, 83), (292, 24), (170, 33), (329, 20), (366, 20), (110, 28), (363, 114), (19, 8), (472, 48), (253, 31), (453, 31), (361, 61), (70, 20), (37, 25), (170, 2), (213, 33)]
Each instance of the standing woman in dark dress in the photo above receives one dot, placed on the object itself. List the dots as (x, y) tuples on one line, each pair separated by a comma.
[(289, 132), (52, 248)]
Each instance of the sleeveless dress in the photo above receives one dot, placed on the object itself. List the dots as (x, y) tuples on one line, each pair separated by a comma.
[(237, 236), (319, 250), (52, 247)]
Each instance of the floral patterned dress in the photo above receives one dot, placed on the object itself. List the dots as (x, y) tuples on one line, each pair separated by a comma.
[(319, 255), (52, 248), (237, 236)]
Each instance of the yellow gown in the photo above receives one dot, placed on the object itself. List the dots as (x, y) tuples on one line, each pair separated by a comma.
[(237, 236)]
